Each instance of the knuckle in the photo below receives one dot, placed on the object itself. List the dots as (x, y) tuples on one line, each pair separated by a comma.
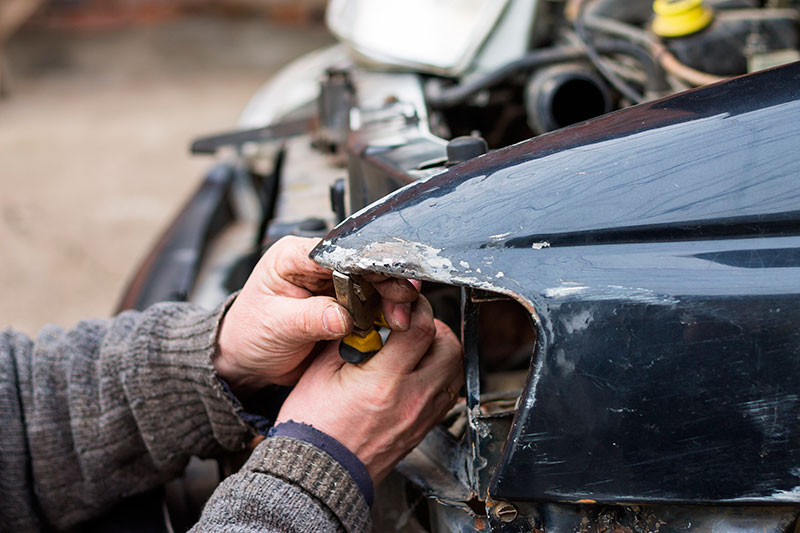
[(283, 244), (288, 248), (425, 329), (311, 322), (305, 321), (454, 353)]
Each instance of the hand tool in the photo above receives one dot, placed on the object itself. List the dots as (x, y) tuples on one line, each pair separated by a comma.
[(363, 302)]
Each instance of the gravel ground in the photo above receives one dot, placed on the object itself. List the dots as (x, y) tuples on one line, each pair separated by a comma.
[(93, 149)]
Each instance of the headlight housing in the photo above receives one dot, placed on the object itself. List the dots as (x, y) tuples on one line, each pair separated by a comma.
[(435, 36)]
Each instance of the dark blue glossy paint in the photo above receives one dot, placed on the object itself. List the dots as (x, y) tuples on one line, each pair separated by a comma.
[(658, 249)]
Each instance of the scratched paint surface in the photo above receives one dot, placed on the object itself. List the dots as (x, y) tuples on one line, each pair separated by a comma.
[(658, 250)]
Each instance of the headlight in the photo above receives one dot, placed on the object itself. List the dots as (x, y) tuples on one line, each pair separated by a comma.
[(436, 36)]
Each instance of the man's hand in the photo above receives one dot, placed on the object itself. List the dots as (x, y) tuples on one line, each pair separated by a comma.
[(284, 309), (382, 408)]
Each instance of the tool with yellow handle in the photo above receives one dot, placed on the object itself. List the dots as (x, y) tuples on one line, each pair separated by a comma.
[(363, 302)]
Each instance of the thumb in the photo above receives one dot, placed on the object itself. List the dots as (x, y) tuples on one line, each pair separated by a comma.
[(313, 319)]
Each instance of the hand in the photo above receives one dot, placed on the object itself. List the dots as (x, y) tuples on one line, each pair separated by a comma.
[(284, 309), (382, 408)]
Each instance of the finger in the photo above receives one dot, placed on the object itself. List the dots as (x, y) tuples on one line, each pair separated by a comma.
[(396, 290), (398, 316), (293, 376), (445, 400), (397, 295), (308, 320), (328, 361), (445, 355), (289, 271), (404, 349)]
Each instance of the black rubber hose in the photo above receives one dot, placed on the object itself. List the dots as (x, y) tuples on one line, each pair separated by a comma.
[(656, 78), (594, 56), (444, 97)]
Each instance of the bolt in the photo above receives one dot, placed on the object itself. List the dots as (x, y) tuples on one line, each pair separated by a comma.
[(505, 512)]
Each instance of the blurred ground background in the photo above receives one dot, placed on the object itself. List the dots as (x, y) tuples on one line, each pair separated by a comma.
[(94, 137)]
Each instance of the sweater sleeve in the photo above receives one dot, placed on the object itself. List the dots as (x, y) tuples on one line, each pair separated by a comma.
[(106, 410), (287, 485)]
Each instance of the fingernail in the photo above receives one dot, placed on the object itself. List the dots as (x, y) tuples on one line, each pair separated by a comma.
[(333, 320), (402, 316)]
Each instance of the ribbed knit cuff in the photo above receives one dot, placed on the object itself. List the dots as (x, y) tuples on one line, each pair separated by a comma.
[(176, 386), (332, 447), (318, 474)]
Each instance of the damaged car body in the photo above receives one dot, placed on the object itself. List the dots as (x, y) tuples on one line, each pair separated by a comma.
[(626, 288), (656, 251)]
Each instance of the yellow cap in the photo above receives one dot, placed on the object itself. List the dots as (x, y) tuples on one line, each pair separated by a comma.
[(677, 18)]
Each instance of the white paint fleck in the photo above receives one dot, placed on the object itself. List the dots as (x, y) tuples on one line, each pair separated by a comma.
[(565, 290), (578, 322), (792, 495), (610, 292), (769, 413), (499, 274), (464, 264), (540, 245)]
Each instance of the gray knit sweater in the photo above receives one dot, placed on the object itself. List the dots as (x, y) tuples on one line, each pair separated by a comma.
[(115, 407)]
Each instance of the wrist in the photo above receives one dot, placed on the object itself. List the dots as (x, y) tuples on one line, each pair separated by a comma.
[(241, 383), (224, 359)]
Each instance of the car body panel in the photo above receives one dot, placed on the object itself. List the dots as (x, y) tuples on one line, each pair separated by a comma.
[(658, 251)]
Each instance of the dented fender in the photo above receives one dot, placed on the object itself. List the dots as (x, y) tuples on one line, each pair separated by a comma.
[(658, 251)]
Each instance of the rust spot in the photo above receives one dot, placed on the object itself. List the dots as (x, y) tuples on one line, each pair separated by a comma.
[(586, 501), (255, 442), (480, 523)]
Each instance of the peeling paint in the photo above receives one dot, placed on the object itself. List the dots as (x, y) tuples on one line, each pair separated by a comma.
[(403, 258), (481, 428), (398, 255)]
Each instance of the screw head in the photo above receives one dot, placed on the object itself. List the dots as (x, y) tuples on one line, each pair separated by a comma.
[(505, 512)]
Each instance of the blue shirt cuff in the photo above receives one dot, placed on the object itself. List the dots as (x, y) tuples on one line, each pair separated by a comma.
[(332, 447), (260, 422)]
